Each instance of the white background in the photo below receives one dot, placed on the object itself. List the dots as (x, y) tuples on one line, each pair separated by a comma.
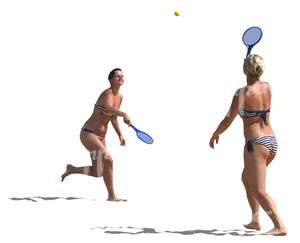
[(180, 76)]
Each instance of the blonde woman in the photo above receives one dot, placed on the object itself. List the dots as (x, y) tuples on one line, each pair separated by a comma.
[(93, 133), (253, 103)]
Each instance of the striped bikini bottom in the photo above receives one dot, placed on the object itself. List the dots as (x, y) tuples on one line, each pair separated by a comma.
[(268, 141), (84, 129)]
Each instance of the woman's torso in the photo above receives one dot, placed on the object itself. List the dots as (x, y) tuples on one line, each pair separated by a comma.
[(256, 97), (98, 121)]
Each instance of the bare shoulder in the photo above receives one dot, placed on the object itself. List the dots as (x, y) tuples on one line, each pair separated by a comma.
[(106, 93), (105, 97), (239, 91), (266, 86)]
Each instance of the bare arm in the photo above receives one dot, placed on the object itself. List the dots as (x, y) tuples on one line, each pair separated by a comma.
[(108, 108), (226, 122), (115, 122), (115, 112), (116, 126)]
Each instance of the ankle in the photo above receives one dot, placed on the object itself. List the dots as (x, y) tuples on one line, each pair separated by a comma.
[(112, 196), (255, 217), (279, 226)]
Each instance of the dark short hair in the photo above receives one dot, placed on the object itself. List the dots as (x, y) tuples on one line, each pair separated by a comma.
[(112, 73)]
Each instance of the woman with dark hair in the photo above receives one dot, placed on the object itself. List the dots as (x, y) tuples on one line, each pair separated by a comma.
[(253, 103), (93, 133)]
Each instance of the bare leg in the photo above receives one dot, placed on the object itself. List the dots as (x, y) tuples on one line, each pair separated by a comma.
[(255, 170), (254, 205), (107, 173), (253, 202), (84, 170), (102, 163), (67, 172), (108, 179)]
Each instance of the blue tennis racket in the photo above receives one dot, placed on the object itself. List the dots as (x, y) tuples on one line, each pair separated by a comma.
[(251, 37), (146, 138)]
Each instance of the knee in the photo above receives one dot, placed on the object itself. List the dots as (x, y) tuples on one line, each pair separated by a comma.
[(260, 193), (108, 161)]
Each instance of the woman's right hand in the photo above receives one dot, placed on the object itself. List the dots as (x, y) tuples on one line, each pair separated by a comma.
[(126, 119)]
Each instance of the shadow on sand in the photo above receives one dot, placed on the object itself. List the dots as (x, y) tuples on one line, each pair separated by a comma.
[(135, 231), (35, 199)]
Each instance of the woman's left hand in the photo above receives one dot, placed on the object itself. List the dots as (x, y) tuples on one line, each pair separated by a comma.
[(122, 141), (214, 138)]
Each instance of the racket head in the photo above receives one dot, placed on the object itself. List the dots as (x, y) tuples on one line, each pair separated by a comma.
[(252, 36), (146, 138)]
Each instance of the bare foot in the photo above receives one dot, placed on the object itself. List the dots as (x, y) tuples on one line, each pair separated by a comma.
[(68, 172), (114, 199), (277, 232), (252, 225)]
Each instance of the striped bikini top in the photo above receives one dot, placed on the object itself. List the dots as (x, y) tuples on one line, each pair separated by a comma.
[(262, 114), (101, 109)]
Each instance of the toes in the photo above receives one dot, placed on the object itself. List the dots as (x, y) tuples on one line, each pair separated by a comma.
[(253, 225), (63, 176), (116, 200)]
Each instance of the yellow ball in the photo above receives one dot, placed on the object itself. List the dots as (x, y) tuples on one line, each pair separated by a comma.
[(177, 13)]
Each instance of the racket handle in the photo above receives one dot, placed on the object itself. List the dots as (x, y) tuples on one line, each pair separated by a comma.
[(249, 50), (134, 128)]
